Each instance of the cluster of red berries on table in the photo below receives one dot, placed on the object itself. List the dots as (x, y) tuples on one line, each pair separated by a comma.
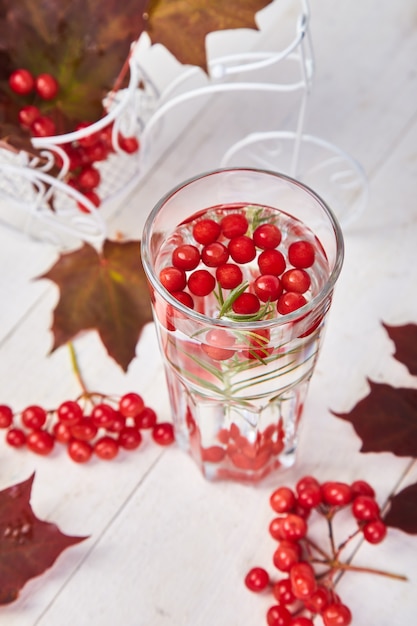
[(108, 426), (216, 258), (84, 153), (306, 585)]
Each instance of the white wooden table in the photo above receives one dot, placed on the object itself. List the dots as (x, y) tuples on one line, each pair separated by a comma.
[(166, 547)]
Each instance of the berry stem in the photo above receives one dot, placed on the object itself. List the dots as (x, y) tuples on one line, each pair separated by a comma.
[(312, 544), (337, 565), (76, 369)]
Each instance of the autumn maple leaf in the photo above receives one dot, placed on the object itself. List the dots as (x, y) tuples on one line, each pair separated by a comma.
[(386, 421), (28, 546), (182, 25), (106, 291)]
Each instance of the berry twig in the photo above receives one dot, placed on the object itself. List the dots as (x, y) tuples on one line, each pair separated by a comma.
[(310, 586), (94, 424)]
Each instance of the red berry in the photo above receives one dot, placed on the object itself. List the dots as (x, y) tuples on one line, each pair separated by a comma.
[(306, 482), (214, 254), (106, 448), (301, 254), (336, 614), (92, 197), (186, 257), (98, 151), (257, 579), (286, 555), (303, 581), (242, 249), (317, 602), (246, 304), (163, 434), (6, 416), (258, 345), (267, 236), (21, 82), (46, 86), (300, 620), (275, 528), (119, 422), (365, 509), (271, 262), (146, 418), (61, 432), (289, 302), (43, 126), (88, 179), (130, 145), (16, 438), (219, 344), (85, 429), (129, 438), (293, 527), (184, 298), (310, 496), (201, 283), (234, 225), (69, 412), (103, 415), (229, 276), (131, 404), (336, 493), (267, 287), (282, 500), (362, 488), (296, 280), (40, 441), (27, 115), (282, 591), (278, 615), (80, 451), (206, 231), (33, 417), (173, 278), (88, 139), (374, 531)]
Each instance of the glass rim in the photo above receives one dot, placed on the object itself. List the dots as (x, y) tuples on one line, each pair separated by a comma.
[(283, 320)]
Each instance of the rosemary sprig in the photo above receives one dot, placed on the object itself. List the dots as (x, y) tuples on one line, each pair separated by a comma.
[(226, 309)]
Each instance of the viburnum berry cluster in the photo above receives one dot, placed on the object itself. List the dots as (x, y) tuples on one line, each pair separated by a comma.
[(84, 153), (93, 425), (214, 261), (306, 587)]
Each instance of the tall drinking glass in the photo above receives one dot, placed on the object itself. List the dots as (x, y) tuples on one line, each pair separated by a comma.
[(241, 265)]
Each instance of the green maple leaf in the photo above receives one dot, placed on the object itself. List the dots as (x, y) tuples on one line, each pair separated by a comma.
[(106, 291), (28, 545), (182, 25)]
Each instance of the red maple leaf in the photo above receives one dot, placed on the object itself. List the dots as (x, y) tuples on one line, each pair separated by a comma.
[(386, 421), (405, 341), (28, 546)]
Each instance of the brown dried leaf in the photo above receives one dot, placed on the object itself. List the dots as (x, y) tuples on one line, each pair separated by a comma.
[(106, 291), (182, 25)]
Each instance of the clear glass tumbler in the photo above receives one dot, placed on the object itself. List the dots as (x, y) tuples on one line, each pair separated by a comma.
[(238, 368)]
